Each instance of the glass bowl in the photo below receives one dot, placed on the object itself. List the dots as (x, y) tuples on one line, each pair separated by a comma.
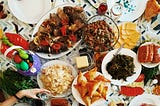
[(101, 33)]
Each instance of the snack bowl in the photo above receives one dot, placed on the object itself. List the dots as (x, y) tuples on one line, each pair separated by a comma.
[(101, 33)]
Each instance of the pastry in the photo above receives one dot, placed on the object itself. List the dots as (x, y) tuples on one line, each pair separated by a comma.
[(152, 9)]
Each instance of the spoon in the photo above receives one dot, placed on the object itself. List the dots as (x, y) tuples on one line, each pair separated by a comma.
[(119, 49)]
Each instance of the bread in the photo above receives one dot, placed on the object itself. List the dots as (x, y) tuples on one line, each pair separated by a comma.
[(152, 9)]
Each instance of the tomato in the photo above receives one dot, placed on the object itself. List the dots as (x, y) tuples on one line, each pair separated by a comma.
[(56, 46), (140, 78), (131, 91), (64, 30), (73, 38), (44, 43)]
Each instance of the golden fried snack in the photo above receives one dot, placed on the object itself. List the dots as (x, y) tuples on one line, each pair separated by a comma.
[(152, 9), (104, 92), (87, 100), (81, 89), (90, 75), (92, 86), (101, 78), (81, 79)]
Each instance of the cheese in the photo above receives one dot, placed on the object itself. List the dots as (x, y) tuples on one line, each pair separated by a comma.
[(128, 35), (82, 62)]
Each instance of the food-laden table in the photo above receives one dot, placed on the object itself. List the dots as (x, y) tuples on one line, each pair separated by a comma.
[(146, 28)]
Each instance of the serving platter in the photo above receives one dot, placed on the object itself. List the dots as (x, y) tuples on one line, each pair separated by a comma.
[(29, 11), (57, 62), (129, 79), (50, 55), (77, 96)]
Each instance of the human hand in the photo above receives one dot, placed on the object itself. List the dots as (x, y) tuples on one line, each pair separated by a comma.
[(31, 93)]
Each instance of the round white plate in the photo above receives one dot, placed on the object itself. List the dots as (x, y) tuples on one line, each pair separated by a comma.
[(131, 10), (145, 98), (134, 10), (29, 11), (149, 65), (52, 56), (77, 96), (54, 62), (129, 79)]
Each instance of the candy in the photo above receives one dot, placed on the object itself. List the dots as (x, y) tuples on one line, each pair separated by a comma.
[(24, 66), (23, 54), (17, 59)]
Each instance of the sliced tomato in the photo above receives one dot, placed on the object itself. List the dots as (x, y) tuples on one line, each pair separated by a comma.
[(140, 78), (73, 38), (56, 46), (44, 43), (64, 30)]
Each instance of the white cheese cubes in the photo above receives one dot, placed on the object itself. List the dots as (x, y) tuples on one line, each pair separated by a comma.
[(82, 62)]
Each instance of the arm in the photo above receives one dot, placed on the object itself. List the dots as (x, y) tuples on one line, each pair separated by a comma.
[(30, 93)]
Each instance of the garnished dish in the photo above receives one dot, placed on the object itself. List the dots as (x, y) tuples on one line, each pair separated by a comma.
[(121, 69), (90, 88), (56, 76), (98, 33), (149, 54), (58, 32)]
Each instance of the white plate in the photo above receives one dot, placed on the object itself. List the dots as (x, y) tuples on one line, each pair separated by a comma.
[(137, 6), (29, 11), (131, 12), (54, 62), (145, 98), (129, 79), (149, 65), (52, 56), (76, 94)]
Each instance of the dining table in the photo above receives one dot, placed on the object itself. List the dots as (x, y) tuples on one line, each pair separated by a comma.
[(25, 27)]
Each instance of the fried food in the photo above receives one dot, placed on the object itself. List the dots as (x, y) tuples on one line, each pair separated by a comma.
[(94, 89), (152, 9)]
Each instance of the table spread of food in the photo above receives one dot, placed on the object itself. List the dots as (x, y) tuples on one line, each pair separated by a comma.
[(85, 52)]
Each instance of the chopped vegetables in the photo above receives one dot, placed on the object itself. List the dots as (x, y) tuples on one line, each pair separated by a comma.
[(120, 67)]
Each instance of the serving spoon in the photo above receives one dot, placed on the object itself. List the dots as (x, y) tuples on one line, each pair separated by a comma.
[(119, 49)]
